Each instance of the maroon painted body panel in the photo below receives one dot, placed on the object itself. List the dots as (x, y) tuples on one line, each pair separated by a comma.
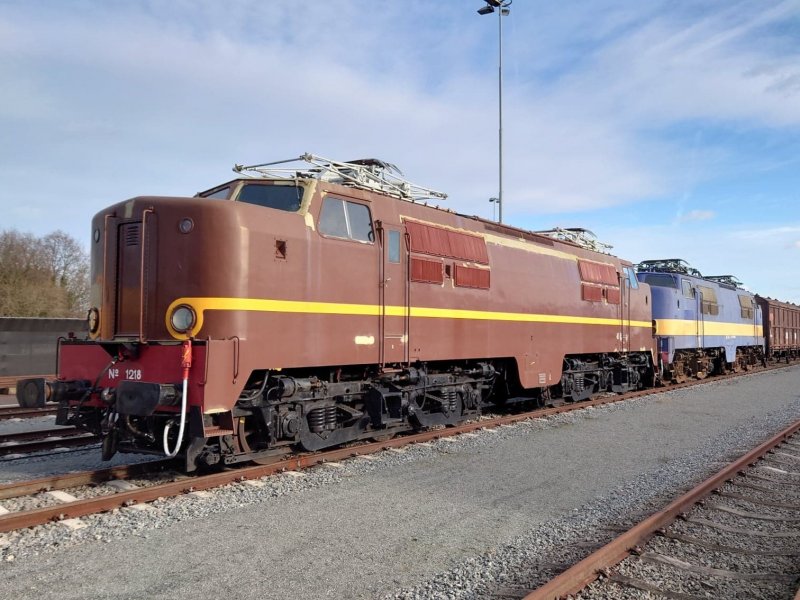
[(155, 364)]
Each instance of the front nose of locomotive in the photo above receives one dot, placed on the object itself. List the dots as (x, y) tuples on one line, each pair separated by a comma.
[(141, 250), (134, 371), (155, 277)]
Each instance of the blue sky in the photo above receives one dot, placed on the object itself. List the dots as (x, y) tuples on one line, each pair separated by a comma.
[(671, 129)]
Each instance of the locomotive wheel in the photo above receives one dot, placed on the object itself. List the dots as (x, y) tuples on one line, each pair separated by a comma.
[(247, 439)]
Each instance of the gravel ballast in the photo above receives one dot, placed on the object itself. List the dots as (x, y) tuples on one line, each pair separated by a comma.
[(491, 514)]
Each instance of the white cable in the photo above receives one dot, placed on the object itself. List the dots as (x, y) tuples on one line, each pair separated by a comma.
[(174, 453)]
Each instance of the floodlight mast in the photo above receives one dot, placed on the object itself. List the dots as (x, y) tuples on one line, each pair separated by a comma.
[(504, 10)]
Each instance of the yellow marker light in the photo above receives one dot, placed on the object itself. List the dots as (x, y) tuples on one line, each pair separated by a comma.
[(93, 319)]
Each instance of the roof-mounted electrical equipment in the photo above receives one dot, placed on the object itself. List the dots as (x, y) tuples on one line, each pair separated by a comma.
[(668, 265), (367, 174), (578, 236), (726, 280)]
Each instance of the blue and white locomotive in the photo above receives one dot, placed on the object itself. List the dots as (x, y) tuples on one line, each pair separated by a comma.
[(703, 325)]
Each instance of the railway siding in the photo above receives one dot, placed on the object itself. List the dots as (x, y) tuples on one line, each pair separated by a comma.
[(740, 542), (453, 509)]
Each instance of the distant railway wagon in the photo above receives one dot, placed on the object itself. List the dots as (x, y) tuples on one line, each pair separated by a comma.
[(782, 326), (703, 325), (28, 346)]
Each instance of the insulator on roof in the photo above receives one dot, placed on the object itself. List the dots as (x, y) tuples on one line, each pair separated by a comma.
[(578, 236), (668, 265), (678, 265), (729, 280), (367, 174)]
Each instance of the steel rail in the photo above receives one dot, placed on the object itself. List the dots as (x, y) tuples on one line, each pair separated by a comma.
[(67, 480), (31, 518), (39, 434), (13, 412), (587, 570), (37, 445)]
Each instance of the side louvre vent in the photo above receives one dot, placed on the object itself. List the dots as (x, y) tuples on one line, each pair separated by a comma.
[(472, 277), (438, 241), (599, 281), (592, 293), (129, 279), (133, 234), (426, 271), (594, 272)]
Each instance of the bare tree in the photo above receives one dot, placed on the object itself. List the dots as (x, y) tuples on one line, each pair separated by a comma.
[(68, 264), (42, 277)]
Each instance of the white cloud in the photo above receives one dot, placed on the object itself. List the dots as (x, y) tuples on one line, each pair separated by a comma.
[(559, 156), (147, 84), (112, 100), (767, 233), (696, 215), (710, 67)]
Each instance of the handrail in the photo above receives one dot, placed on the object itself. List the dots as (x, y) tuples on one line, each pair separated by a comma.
[(141, 272), (103, 328)]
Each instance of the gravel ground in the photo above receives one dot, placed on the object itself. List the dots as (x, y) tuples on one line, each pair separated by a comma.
[(488, 514)]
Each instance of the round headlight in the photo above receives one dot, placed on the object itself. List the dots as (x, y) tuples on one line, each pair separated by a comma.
[(93, 319), (186, 225), (183, 318)]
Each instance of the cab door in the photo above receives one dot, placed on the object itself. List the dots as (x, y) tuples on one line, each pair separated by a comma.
[(627, 284), (394, 294)]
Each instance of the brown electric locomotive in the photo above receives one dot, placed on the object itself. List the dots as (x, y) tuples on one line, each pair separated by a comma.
[(305, 307)]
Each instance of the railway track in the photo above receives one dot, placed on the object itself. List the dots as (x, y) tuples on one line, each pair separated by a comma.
[(15, 412), (733, 536), (25, 442), (83, 478), (25, 514)]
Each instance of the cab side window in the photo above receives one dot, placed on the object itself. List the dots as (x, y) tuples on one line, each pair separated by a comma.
[(332, 219), (394, 246), (344, 219), (359, 221), (687, 288), (634, 283)]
